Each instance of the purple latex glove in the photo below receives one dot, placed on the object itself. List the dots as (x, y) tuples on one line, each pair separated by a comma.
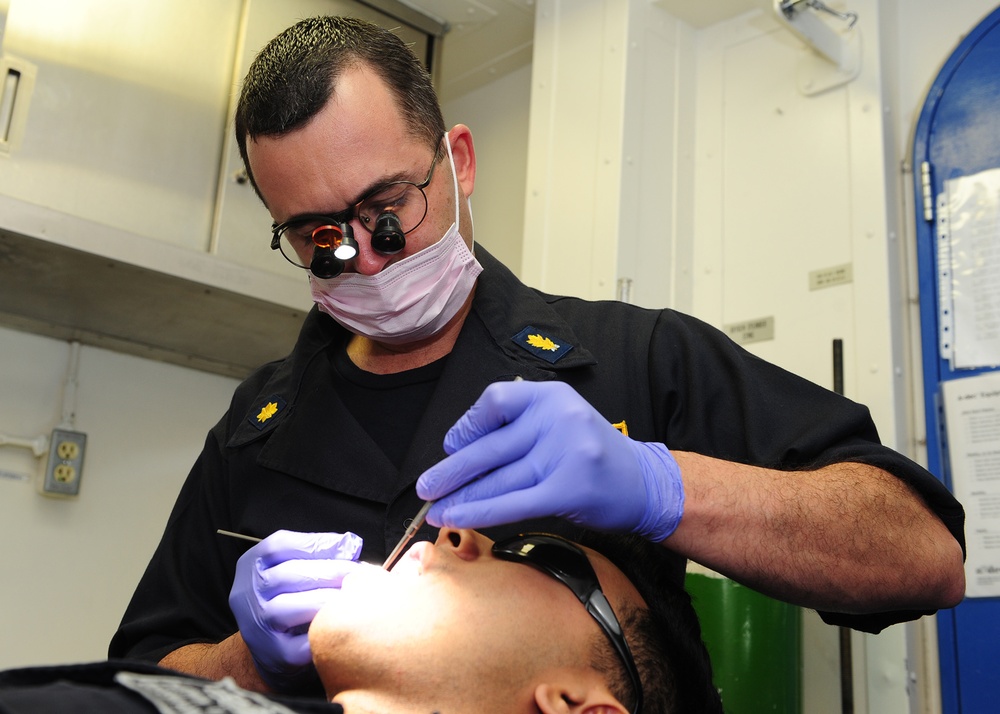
[(280, 585), (535, 449)]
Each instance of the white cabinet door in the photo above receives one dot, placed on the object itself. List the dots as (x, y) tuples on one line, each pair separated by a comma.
[(126, 119)]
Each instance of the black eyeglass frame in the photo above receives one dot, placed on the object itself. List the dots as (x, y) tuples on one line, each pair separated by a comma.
[(579, 576), (347, 215)]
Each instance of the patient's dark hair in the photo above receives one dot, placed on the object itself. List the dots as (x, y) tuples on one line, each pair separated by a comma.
[(295, 74), (665, 639)]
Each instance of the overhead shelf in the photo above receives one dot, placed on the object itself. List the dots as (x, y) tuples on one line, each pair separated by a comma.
[(156, 301)]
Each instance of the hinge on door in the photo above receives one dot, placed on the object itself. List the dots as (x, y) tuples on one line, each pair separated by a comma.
[(927, 190)]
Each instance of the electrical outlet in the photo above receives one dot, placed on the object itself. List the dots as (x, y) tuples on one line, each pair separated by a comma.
[(65, 465)]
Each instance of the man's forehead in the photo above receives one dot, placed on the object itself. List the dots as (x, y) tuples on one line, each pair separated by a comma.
[(340, 154)]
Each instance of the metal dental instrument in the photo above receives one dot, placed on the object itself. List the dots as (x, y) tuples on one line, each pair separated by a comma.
[(418, 520), (231, 534), (416, 523)]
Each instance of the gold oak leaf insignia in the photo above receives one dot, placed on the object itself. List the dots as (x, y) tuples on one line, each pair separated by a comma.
[(267, 412), (542, 343)]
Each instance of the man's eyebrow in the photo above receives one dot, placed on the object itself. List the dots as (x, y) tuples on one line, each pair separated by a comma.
[(379, 183), (371, 188)]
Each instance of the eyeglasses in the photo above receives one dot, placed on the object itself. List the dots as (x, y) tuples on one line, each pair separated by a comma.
[(567, 563), (388, 212)]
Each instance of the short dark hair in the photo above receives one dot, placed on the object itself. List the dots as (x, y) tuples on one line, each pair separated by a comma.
[(293, 77), (665, 639)]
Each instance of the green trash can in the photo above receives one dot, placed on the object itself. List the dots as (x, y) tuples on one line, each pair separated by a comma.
[(755, 644)]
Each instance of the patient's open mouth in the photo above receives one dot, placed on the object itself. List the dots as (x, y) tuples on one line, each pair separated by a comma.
[(412, 562)]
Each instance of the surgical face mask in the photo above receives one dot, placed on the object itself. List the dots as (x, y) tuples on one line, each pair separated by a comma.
[(407, 301)]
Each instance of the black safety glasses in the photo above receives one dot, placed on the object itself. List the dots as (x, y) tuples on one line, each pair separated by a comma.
[(567, 563)]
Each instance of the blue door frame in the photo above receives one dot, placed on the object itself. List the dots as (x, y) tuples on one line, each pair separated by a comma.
[(958, 134)]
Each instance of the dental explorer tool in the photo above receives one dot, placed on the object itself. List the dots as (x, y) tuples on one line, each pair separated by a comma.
[(416, 523), (418, 520)]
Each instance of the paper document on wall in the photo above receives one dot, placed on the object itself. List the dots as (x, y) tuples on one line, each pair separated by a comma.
[(972, 418), (969, 247)]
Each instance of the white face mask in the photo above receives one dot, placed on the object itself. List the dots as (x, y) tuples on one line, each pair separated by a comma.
[(409, 300)]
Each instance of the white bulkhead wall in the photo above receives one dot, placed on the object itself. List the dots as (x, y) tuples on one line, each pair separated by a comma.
[(700, 165), (689, 162)]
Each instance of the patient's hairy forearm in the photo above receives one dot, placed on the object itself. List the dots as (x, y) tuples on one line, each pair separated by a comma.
[(229, 658), (848, 537)]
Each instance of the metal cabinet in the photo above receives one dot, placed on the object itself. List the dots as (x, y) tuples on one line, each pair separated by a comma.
[(125, 123), (122, 224)]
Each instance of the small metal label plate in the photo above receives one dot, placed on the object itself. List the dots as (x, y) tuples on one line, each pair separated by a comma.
[(758, 330), (830, 277)]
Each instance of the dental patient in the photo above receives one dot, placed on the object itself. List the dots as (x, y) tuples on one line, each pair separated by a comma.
[(533, 623)]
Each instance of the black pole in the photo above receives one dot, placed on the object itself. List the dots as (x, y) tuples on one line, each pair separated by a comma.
[(846, 660), (838, 366)]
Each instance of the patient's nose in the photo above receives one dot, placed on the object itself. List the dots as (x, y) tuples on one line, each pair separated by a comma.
[(465, 543)]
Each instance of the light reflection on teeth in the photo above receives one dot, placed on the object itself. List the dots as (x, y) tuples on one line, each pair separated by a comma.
[(412, 561)]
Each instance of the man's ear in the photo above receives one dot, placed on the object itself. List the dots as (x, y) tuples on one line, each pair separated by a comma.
[(464, 153), (582, 695)]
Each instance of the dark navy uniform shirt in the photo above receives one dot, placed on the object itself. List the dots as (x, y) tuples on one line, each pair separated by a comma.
[(289, 454)]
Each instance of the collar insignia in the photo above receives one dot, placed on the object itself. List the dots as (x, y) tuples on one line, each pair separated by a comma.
[(622, 427), (541, 345), (263, 412)]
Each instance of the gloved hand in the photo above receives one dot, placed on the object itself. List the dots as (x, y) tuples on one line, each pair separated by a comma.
[(532, 449), (280, 585)]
